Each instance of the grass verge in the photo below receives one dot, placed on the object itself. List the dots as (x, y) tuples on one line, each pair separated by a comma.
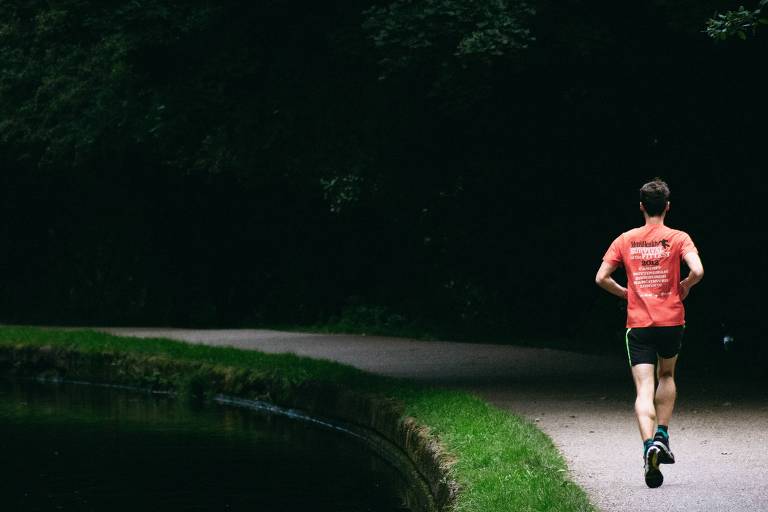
[(501, 462)]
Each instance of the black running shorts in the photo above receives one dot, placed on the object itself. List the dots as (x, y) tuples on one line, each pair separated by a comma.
[(645, 344)]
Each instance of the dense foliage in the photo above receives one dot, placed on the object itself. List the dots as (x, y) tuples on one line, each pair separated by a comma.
[(739, 22), (457, 165), (436, 31)]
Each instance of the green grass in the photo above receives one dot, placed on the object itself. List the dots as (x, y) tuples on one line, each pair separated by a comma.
[(502, 462)]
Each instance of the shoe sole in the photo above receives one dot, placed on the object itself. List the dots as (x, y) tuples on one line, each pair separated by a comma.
[(653, 476), (665, 455)]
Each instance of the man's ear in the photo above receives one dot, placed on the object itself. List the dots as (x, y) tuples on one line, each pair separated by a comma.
[(642, 208), (667, 208)]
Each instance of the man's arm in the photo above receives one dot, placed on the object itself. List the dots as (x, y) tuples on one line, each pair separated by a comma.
[(606, 282), (694, 276)]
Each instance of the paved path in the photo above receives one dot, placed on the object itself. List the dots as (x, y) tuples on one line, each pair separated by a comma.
[(584, 403)]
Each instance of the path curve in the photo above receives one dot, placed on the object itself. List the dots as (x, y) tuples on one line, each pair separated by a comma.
[(583, 402)]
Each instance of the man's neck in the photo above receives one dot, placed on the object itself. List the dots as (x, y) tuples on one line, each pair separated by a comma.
[(654, 221)]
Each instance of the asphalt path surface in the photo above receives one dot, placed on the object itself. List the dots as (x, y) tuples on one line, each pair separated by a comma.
[(719, 432)]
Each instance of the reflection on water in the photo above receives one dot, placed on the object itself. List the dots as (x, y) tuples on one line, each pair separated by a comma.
[(82, 448)]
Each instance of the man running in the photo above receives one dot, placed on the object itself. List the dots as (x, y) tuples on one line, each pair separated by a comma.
[(651, 257)]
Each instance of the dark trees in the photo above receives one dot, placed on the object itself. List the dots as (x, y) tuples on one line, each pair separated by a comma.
[(460, 164)]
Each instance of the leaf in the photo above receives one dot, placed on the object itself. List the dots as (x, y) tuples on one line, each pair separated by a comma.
[(742, 35)]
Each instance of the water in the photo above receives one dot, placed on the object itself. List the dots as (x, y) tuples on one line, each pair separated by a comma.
[(81, 448)]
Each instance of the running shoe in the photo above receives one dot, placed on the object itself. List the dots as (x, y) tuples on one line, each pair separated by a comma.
[(665, 454), (653, 476)]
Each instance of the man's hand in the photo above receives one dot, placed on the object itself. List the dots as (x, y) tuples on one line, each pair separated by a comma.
[(606, 282), (697, 272)]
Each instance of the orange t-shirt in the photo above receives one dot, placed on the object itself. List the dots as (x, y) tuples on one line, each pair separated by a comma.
[(651, 257)]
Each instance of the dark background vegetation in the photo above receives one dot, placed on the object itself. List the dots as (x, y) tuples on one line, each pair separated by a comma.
[(450, 167)]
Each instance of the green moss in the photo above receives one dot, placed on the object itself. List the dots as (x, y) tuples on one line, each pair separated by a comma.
[(501, 462)]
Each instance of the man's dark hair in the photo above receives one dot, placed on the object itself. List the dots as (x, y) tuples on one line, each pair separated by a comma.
[(654, 196)]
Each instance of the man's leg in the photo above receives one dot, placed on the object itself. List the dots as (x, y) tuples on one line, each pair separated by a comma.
[(666, 392), (645, 411), (645, 381)]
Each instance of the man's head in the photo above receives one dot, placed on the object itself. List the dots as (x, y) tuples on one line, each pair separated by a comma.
[(654, 198)]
